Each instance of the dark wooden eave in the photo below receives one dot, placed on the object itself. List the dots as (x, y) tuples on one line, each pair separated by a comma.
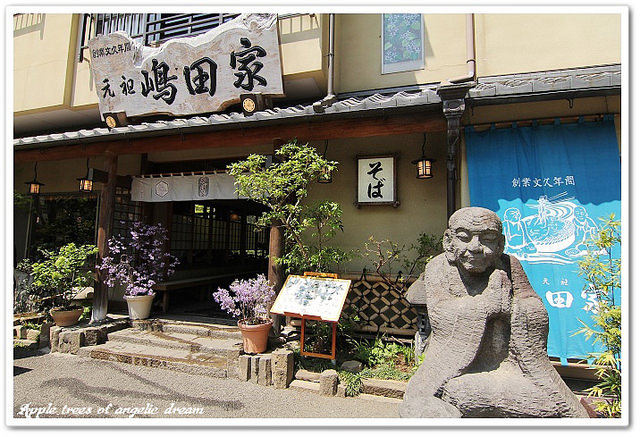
[(241, 135)]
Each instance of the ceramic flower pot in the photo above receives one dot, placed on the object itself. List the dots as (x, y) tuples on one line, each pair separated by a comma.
[(254, 337), (139, 306), (65, 317)]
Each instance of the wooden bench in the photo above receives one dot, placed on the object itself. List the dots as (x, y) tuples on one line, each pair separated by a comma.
[(168, 286)]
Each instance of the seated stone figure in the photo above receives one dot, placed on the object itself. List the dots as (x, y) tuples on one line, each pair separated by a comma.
[(487, 352)]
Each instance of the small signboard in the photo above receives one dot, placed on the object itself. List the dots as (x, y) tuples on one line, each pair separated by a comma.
[(377, 180), (190, 75), (309, 296)]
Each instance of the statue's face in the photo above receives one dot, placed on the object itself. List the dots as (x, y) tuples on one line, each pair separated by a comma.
[(474, 242)]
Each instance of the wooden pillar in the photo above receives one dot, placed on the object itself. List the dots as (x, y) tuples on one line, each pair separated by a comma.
[(276, 250), (105, 223), (275, 271), (453, 106)]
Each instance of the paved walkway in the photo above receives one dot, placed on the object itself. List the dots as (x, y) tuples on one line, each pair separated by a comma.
[(102, 389)]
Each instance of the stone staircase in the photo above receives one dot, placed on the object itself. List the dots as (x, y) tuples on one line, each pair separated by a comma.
[(211, 349), (208, 347)]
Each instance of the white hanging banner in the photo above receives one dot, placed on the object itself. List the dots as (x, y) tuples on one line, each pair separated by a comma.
[(188, 187)]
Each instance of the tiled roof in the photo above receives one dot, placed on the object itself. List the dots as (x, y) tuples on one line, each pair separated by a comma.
[(487, 87)]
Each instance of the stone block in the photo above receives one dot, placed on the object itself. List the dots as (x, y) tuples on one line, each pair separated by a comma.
[(22, 331), (264, 370), (244, 367), (95, 335), (33, 335), (76, 341), (45, 332), (386, 388), (307, 386), (64, 346), (342, 391), (103, 332), (233, 359), (92, 336), (253, 373), (305, 375), (328, 382), (282, 368), (54, 338)]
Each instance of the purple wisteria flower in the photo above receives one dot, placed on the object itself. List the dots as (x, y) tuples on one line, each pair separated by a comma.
[(249, 300), (138, 260)]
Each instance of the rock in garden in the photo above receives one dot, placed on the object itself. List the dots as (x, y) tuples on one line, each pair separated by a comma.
[(352, 366)]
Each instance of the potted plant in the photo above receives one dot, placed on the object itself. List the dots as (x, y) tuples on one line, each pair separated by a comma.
[(249, 303), (60, 277), (138, 260)]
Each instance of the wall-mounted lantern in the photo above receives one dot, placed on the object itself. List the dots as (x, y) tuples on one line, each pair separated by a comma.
[(34, 185), (424, 165), (86, 183)]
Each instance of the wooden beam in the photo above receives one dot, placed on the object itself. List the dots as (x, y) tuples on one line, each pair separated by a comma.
[(348, 127), (97, 175)]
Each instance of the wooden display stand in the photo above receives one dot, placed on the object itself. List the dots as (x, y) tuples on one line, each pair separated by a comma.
[(338, 304), (334, 325)]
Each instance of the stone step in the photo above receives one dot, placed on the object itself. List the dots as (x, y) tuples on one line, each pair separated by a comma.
[(305, 375), (214, 330), (379, 398), (382, 387), (176, 340), (298, 384), (219, 364)]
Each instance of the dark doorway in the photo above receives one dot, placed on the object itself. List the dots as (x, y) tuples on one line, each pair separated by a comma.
[(216, 241), (218, 234)]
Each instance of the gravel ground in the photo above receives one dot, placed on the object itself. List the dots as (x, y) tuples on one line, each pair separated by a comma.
[(77, 387)]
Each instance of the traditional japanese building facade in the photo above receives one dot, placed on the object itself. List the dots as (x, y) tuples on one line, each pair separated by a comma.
[(351, 88)]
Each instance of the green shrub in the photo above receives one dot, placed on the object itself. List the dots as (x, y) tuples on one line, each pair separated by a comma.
[(352, 382), (602, 273), (63, 271)]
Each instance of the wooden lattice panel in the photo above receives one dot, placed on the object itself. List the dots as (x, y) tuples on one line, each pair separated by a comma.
[(381, 308)]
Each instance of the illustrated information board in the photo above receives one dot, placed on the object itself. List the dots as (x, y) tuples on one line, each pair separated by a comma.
[(312, 296)]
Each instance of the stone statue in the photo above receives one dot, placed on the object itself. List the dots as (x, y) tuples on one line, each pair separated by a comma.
[(487, 352)]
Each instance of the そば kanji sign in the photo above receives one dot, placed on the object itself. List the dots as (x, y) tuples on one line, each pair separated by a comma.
[(191, 75), (377, 180)]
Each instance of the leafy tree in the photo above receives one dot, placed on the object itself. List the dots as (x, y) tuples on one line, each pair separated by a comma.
[(282, 187), (602, 273)]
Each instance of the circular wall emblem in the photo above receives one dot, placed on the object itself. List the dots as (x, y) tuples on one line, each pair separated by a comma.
[(249, 105), (111, 121)]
